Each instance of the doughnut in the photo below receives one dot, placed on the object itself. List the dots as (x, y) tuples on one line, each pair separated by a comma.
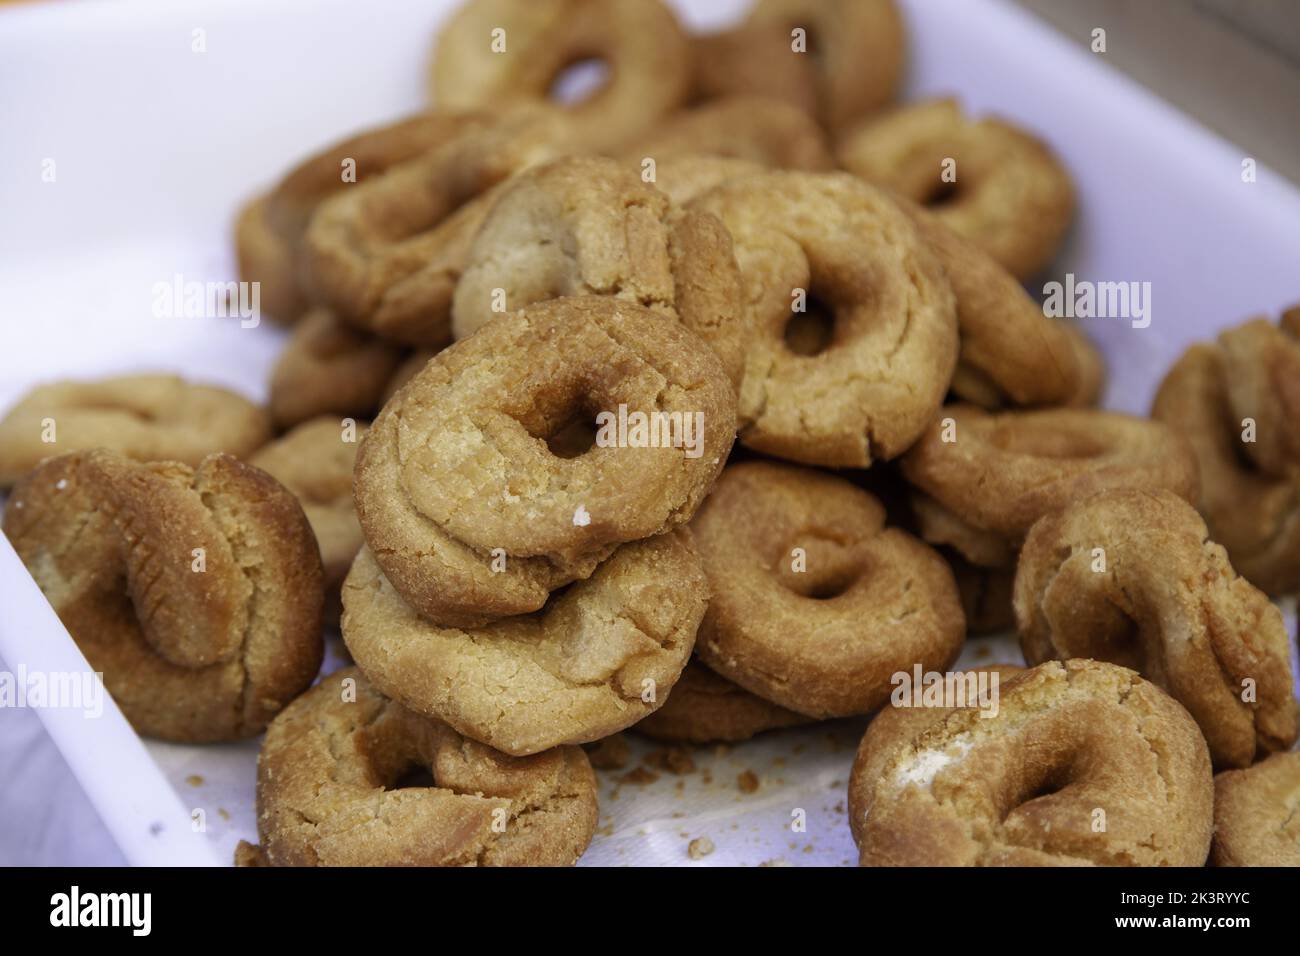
[(938, 526), (415, 360), (1010, 352), (1165, 603), (1261, 370), (315, 461), (1002, 472), (328, 367), (755, 128), (856, 47), (385, 254), (1092, 367), (195, 645), (456, 475), (592, 662), (816, 604), (1085, 763), (844, 252), (266, 259), (145, 417), (1256, 516), (587, 226), (753, 59), (705, 708), (1255, 819), (1010, 195), (494, 53), (330, 790), (985, 595)]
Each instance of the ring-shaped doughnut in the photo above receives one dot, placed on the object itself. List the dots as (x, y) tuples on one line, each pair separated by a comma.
[(1261, 369), (706, 708), (1255, 822), (1072, 745), (144, 417), (456, 474), (585, 226), (1254, 515), (508, 52), (1010, 196), (816, 604), (264, 257), (594, 661), (1131, 577), (753, 59), (195, 591), (1002, 472), (330, 793), (813, 242)]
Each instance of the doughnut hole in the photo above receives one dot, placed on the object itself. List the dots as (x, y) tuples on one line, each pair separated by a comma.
[(569, 431), (810, 332), (833, 564), (580, 80)]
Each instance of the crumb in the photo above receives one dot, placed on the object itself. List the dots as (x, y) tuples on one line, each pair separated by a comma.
[(612, 753), (779, 861), (675, 760), (778, 761), (835, 785), (747, 782), (707, 777), (699, 848), (223, 813), (808, 848), (982, 652), (839, 807), (677, 814), (721, 750), (639, 776), (194, 780)]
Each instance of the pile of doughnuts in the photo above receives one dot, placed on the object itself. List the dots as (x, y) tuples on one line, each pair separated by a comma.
[(574, 432)]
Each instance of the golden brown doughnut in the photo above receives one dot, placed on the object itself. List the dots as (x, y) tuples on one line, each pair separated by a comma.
[(315, 461), (1002, 472), (1261, 369), (753, 59), (456, 475), (1256, 516), (755, 128), (857, 49), (329, 367), (145, 417), (813, 239), (704, 708), (494, 53), (196, 591), (1011, 196), (816, 604), (266, 259), (330, 790), (386, 254), (1255, 818), (585, 225), (594, 661), (1160, 598), (1084, 764)]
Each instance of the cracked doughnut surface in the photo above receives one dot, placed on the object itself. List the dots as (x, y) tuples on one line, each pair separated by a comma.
[(950, 787), (1166, 604), (189, 655), (892, 345), (598, 658), (144, 417), (457, 464), (826, 640), (1002, 472), (1011, 196), (639, 42), (588, 226), (329, 794), (1257, 814), (706, 708)]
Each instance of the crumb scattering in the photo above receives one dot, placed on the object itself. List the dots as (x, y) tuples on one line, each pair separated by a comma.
[(699, 848), (747, 782)]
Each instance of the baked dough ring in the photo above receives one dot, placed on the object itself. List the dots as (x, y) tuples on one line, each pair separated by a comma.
[(386, 254), (1261, 369), (594, 661), (647, 55), (705, 708), (329, 790), (753, 59), (893, 346), (191, 653), (315, 462), (1005, 471), (329, 367), (1255, 516), (265, 258), (857, 49), (145, 417), (824, 641), (1011, 197), (456, 466), (1255, 818), (955, 788), (1166, 604), (588, 226)]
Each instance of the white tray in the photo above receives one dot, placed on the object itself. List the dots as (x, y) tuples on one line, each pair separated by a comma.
[(155, 146)]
